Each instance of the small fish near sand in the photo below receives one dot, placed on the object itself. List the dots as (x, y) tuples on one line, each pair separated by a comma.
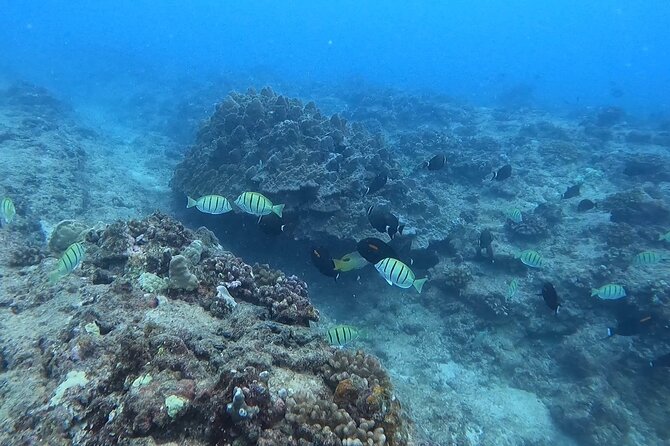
[(485, 240), (323, 261), (512, 289), (374, 250), (7, 211), (71, 258), (503, 173), (341, 335), (531, 258), (646, 258), (436, 163), (550, 297), (585, 205), (397, 273), (611, 291), (210, 204), (376, 184), (514, 215), (631, 325), (255, 203), (572, 191), (350, 262)]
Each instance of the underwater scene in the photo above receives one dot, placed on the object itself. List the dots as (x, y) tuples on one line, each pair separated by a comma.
[(345, 223)]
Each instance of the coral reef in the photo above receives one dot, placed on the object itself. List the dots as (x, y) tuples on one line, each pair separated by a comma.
[(121, 371), (317, 165)]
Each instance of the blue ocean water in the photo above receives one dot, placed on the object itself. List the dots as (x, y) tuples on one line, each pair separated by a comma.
[(568, 52), (513, 154)]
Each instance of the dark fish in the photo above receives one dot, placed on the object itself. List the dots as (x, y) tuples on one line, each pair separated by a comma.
[(271, 224), (384, 221), (585, 205), (485, 239), (377, 183), (572, 191), (374, 250), (503, 173), (323, 261), (631, 325), (436, 163), (423, 258), (550, 297), (661, 361)]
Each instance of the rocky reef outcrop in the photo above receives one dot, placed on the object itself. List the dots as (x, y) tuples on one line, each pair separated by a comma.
[(319, 166), (209, 351)]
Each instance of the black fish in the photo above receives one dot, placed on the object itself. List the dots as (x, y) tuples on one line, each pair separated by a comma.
[(271, 224), (631, 325), (550, 297), (323, 261), (503, 173), (661, 361), (377, 183), (485, 239), (572, 191), (384, 221), (423, 258), (436, 163), (585, 205), (374, 250)]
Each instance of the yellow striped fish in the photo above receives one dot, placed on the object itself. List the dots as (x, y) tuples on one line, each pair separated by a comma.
[(648, 258), (531, 258), (257, 204), (397, 273), (611, 291), (341, 335), (512, 288), (7, 210), (514, 215), (72, 257), (210, 204)]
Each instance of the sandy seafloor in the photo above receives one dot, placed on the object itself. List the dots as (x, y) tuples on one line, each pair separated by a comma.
[(512, 378)]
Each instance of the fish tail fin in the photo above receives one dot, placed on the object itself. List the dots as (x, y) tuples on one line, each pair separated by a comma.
[(558, 308), (610, 332), (54, 276), (277, 209), (282, 228), (191, 203), (418, 284), (400, 229), (594, 292), (651, 364)]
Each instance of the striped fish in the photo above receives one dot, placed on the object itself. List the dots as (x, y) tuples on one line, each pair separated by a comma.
[(648, 258), (72, 257), (397, 273), (611, 291), (7, 210), (257, 204), (210, 204), (341, 335), (512, 288), (514, 215), (531, 258)]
